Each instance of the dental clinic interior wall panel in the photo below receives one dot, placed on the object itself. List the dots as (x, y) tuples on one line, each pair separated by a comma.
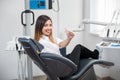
[(10, 26), (70, 17)]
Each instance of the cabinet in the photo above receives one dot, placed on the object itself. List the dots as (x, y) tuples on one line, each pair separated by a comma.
[(111, 52)]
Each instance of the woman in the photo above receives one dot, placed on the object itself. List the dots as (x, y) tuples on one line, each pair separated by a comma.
[(43, 34)]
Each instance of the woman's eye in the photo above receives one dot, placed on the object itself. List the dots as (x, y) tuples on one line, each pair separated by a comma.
[(48, 25), (51, 25)]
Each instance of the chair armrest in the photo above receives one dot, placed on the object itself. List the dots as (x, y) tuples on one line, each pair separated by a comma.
[(86, 64)]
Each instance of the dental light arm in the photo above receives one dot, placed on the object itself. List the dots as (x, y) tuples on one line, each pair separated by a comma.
[(88, 21), (115, 16)]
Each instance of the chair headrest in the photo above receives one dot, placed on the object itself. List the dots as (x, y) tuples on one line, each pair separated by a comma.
[(32, 49)]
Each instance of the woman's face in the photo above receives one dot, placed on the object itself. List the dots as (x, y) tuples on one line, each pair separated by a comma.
[(47, 28)]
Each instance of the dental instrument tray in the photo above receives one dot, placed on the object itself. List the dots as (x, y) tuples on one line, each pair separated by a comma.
[(115, 40)]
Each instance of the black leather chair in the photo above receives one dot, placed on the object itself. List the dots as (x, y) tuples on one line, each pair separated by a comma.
[(58, 67)]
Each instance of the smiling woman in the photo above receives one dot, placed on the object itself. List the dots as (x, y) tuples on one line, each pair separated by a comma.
[(52, 44), (47, 29)]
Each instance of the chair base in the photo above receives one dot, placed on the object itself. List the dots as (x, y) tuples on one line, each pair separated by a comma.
[(89, 75)]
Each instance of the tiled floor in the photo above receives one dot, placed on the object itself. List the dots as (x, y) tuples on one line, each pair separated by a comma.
[(40, 78), (36, 78), (44, 78), (108, 78), (105, 78)]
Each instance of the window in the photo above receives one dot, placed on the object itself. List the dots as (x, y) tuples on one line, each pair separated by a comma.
[(102, 11)]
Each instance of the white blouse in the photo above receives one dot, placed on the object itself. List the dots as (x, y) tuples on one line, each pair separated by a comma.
[(50, 47)]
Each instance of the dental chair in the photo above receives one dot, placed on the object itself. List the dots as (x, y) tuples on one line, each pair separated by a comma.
[(58, 67)]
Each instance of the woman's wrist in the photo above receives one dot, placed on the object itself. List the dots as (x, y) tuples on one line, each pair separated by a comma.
[(69, 39)]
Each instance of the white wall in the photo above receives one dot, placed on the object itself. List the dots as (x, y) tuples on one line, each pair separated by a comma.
[(10, 26), (90, 40)]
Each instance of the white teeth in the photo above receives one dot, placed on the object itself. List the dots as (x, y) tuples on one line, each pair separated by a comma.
[(48, 31)]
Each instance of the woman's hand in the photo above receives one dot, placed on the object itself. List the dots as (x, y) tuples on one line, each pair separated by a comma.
[(65, 42), (69, 34)]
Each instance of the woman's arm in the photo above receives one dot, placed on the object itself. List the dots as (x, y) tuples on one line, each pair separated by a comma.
[(65, 42)]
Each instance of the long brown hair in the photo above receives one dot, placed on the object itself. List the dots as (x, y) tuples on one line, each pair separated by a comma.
[(41, 20)]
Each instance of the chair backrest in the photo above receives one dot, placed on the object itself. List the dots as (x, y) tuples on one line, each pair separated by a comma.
[(30, 48), (52, 65)]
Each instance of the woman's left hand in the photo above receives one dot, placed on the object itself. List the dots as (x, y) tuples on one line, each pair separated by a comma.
[(69, 34), (65, 42)]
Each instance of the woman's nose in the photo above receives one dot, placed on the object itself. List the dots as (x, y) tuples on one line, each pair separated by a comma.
[(49, 27)]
